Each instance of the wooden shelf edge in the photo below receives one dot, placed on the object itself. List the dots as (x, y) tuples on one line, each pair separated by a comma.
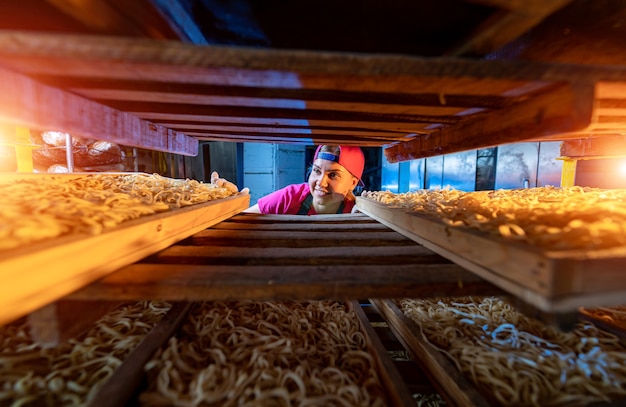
[(26, 102)]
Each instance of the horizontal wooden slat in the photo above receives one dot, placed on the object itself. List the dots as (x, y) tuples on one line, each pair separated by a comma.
[(288, 239), (568, 110), (202, 282), (282, 262), (365, 227), (29, 103), (281, 256)]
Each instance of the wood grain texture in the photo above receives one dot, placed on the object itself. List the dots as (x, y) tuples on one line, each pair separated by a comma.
[(119, 389), (63, 320), (397, 392), (313, 263), (556, 282), (29, 103), (39, 274), (455, 389), (414, 107)]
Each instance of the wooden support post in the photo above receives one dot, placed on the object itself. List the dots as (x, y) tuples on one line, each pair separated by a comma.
[(568, 173), (23, 150)]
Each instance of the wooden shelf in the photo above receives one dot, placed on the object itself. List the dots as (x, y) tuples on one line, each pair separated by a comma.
[(166, 95), (262, 257), (554, 282), (39, 274)]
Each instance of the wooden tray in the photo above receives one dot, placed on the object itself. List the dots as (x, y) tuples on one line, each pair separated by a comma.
[(33, 276), (552, 281), (450, 382), (127, 377)]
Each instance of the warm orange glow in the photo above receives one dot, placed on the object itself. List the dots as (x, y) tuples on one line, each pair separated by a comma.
[(621, 167), (7, 134)]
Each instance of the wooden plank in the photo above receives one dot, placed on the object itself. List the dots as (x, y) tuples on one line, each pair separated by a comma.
[(346, 234), (122, 385), (322, 137), (267, 255), (28, 103), (179, 20), (270, 66), (182, 118), (568, 108), (285, 238), (319, 115), (453, 386), (260, 130), (107, 96), (506, 25), (229, 94), (320, 219), (597, 147), (372, 226), (40, 274), (102, 17), (441, 104), (295, 139), (397, 392), (550, 281), (176, 282)]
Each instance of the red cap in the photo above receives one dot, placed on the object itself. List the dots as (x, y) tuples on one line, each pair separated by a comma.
[(350, 158)]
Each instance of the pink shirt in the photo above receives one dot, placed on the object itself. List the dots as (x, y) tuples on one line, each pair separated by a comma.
[(287, 201)]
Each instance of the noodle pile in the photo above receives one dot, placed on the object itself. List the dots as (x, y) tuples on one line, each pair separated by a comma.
[(35, 209), (517, 361), (266, 354), (72, 373), (551, 218)]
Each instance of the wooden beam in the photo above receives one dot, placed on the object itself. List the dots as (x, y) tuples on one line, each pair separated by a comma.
[(177, 282), (505, 26), (26, 102), (567, 108), (99, 16), (278, 112), (527, 7), (180, 20), (138, 18), (597, 147), (125, 89)]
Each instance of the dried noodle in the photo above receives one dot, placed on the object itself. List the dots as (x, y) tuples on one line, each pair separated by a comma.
[(518, 361), (548, 217), (266, 354)]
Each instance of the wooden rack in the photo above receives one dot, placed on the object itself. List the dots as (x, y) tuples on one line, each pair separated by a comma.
[(40, 273), (554, 282), (280, 257), (166, 96)]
